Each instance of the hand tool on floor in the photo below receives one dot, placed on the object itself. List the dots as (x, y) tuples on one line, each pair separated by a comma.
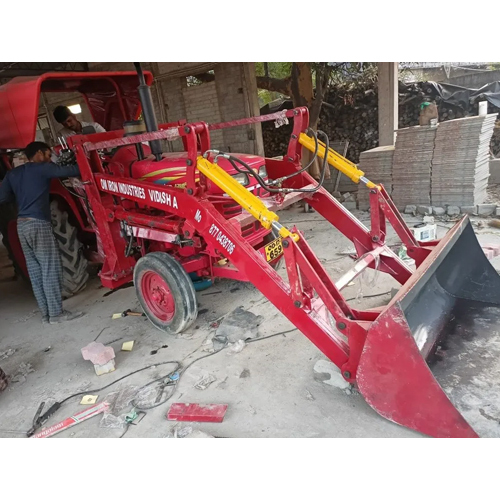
[(39, 421), (74, 420), (128, 312)]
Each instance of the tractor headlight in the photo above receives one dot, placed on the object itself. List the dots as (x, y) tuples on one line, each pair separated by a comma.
[(242, 179), (263, 171)]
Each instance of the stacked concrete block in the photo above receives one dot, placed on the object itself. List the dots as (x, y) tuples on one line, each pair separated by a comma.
[(460, 164), (377, 165), (411, 172)]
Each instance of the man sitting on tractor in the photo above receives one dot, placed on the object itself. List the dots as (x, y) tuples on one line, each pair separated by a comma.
[(29, 185), (72, 126)]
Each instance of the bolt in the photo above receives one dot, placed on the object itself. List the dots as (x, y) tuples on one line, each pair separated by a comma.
[(186, 233), (341, 326), (347, 374), (294, 136), (189, 191), (375, 238), (286, 243), (295, 112), (189, 163), (297, 303), (290, 158), (187, 130), (373, 191)]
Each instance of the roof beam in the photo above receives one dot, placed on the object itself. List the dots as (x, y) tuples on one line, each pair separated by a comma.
[(11, 70)]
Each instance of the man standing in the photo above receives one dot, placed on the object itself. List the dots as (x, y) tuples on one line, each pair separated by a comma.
[(72, 125), (29, 185)]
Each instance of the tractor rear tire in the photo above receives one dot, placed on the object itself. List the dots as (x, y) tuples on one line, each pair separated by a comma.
[(165, 292), (4, 381), (8, 213), (74, 263)]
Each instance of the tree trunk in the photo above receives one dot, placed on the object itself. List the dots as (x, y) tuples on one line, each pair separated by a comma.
[(300, 87), (303, 95), (274, 85)]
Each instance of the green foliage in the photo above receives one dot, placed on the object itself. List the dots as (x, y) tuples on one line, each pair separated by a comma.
[(343, 72), (279, 70), (338, 73), (265, 96)]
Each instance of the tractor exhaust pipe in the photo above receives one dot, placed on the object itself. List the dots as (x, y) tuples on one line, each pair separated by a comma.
[(148, 111)]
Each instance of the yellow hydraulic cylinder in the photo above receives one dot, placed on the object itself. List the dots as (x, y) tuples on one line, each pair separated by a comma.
[(243, 197), (337, 161)]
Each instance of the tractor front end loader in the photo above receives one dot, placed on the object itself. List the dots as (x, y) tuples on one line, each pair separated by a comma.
[(426, 361)]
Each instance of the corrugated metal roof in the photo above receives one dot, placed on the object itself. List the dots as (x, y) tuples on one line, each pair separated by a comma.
[(423, 65)]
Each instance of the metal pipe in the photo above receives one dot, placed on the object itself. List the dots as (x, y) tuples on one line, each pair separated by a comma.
[(148, 220), (160, 98), (50, 118), (148, 111), (139, 151)]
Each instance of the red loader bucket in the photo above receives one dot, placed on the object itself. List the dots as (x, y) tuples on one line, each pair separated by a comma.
[(431, 360)]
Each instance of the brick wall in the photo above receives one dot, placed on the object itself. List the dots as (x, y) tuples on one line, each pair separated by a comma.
[(235, 92), (202, 105), (175, 108)]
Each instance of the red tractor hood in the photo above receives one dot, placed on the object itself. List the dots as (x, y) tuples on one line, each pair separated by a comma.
[(251, 160), (173, 165)]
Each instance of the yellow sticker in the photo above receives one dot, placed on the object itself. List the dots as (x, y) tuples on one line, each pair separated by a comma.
[(274, 249), (88, 400), (128, 346)]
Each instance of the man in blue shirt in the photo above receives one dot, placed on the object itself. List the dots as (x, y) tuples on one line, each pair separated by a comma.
[(29, 185)]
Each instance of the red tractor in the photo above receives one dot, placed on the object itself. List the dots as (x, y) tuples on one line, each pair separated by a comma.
[(425, 360), (113, 101)]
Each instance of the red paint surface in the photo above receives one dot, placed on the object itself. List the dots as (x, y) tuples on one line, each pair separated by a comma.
[(192, 412)]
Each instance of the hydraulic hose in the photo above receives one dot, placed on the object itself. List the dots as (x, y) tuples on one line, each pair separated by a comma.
[(303, 169), (248, 170)]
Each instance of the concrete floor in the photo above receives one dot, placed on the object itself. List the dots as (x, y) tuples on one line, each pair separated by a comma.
[(269, 385)]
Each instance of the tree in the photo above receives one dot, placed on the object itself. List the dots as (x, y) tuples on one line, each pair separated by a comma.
[(300, 87), (308, 83)]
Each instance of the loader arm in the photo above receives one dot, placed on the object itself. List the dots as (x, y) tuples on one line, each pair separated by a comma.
[(385, 351), (318, 309), (381, 205)]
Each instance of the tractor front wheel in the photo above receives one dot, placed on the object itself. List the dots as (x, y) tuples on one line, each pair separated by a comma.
[(165, 292)]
